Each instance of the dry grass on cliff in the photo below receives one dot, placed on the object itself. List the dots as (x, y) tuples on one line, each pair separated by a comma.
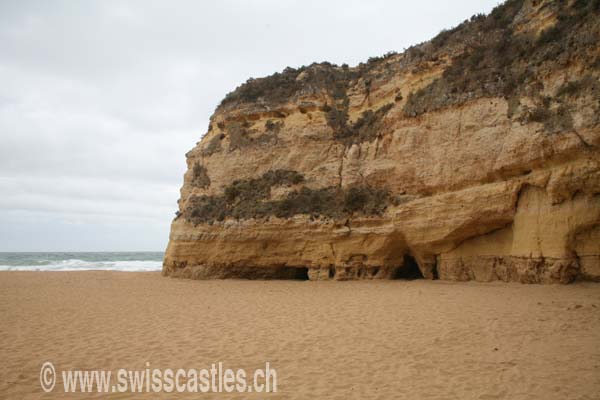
[(502, 62), (490, 56), (250, 198)]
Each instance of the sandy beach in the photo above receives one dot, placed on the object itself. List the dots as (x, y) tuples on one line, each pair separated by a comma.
[(327, 340)]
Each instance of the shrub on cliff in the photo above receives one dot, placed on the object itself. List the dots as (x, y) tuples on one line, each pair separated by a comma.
[(586, 85), (273, 127), (238, 135), (337, 120), (280, 177), (556, 119), (505, 62), (325, 202), (256, 189), (333, 202), (205, 209), (200, 176), (369, 125), (281, 87), (249, 198), (365, 129), (214, 145), (366, 200), (278, 87)]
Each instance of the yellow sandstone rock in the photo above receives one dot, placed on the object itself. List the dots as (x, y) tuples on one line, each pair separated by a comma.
[(474, 156)]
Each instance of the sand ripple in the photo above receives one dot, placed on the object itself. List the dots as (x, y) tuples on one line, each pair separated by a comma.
[(327, 340)]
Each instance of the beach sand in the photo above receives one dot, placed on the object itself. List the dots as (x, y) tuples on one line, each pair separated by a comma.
[(326, 340)]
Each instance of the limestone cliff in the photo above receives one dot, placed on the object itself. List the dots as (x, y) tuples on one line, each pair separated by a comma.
[(472, 156)]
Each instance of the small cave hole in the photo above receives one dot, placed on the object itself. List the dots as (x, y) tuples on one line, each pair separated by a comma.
[(331, 272), (409, 270), (436, 274), (301, 274)]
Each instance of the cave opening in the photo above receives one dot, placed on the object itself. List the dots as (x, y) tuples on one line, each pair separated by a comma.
[(435, 273), (331, 272), (409, 270), (301, 274), (280, 272)]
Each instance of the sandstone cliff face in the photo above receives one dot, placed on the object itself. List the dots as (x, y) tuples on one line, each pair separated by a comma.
[(474, 156)]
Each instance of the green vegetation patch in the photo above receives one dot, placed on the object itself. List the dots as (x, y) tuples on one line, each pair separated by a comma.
[(240, 136), (555, 120), (506, 64), (214, 145), (245, 199), (366, 129), (281, 87), (200, 176)]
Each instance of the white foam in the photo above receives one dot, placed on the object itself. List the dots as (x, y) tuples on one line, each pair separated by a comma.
[(80, 265)]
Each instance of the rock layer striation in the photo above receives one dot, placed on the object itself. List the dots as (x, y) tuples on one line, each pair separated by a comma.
[(474, 156)]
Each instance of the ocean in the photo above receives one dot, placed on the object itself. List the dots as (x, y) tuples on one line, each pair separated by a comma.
[(82, 261)]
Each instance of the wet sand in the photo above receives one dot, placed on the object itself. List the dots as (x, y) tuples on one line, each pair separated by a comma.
[(326, 340)]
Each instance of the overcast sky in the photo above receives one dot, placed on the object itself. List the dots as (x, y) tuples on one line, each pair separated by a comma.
[(100, 100)]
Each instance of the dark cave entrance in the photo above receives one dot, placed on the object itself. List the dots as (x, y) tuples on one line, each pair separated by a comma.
[(301, 274), (409, 270), (283, 272)]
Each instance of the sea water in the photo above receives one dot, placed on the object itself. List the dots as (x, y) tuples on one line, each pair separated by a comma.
[(80, 261)]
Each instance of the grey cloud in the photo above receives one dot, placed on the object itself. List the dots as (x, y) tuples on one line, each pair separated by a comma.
[(100, 100)]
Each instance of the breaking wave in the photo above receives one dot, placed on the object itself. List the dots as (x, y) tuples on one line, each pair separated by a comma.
[(80, 265)]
